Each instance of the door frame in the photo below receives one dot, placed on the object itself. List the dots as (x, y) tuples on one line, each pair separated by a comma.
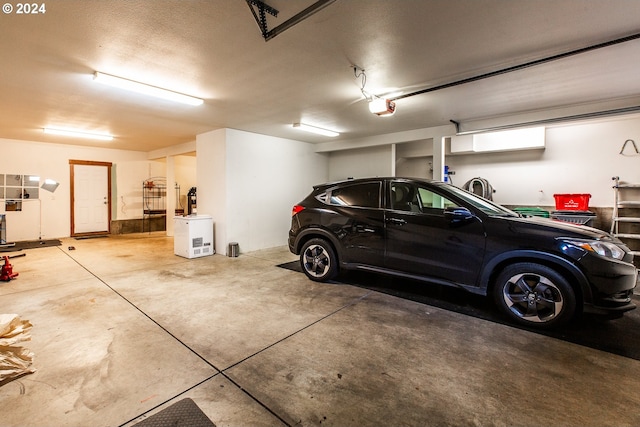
[(108, 165)]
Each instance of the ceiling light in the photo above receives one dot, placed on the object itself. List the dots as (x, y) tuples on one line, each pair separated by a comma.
[(313, 129), (78, 133), (145, 89), (377, 105), (382, 107)]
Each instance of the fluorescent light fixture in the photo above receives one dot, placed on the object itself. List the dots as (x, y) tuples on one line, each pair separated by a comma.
[(313, 129), (145, 89), (515, 139), (382, 107), (78, 134), (508, 140)]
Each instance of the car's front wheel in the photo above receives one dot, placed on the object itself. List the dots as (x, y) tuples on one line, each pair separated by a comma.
[(318, 260), (535, 295)]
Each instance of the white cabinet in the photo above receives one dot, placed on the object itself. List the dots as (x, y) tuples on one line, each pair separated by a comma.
[(193, 236)]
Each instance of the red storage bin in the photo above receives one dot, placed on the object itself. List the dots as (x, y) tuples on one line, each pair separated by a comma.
[(572, 202)]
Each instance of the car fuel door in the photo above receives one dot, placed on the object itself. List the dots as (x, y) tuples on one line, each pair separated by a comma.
[(421, 240)]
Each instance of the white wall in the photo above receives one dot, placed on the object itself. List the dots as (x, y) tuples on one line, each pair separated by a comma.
[(126, 191), (267, 177), (360, 163), (212, 183), (255, 179), (186, 177), (129, 182), (250, 182), (419, 167), (578, 158), (52, 161), (183, 157)]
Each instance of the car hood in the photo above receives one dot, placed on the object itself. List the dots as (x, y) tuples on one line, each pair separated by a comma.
[(559, 228)]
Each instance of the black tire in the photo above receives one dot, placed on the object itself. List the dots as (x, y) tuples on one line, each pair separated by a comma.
[(535, 295), (318, 260)]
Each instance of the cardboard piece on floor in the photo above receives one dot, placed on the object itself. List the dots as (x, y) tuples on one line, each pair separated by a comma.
[(15, 360)]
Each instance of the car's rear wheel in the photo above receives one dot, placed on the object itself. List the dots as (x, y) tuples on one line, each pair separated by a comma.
[(318, 260), (535, 295)]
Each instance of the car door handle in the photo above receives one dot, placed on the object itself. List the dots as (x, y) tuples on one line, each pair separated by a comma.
[(397, 221)]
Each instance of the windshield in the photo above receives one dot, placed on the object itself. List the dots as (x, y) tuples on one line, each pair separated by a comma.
[(486, 206)]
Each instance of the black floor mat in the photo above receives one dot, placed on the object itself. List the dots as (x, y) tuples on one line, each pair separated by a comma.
[(184, 413), (619, 336), (31, 244)]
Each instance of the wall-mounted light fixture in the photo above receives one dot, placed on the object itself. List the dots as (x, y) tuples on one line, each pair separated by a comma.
[(78, 133), (50, 185), (317, 130), (145, 89)]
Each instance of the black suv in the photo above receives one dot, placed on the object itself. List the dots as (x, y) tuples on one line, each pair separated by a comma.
[(541, 272)]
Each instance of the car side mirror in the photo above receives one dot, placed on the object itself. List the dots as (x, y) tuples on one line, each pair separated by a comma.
[(456, 214)]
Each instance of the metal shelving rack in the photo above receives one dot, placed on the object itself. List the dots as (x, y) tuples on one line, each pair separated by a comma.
[(3, 229), (154, 199), (625, 222)]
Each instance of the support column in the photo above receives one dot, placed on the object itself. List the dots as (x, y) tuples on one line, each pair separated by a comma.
[(393, 159), (438, 157), (171, 194)]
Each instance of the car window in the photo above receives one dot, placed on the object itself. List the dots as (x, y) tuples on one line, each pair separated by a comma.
[(409, 197), (486, 206), (404, 197), (366, 195), (433, 202)]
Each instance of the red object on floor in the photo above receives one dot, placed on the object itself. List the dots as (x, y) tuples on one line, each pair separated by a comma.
[(7, 271), (572, 202)]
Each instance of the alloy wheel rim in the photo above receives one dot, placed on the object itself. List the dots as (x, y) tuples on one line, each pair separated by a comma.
[(533, 297), (316, 261)]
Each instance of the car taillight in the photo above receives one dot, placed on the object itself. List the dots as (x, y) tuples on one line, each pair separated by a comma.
[(296, 209)]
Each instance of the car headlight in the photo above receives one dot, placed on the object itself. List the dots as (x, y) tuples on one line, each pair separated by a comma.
[(605, 249)]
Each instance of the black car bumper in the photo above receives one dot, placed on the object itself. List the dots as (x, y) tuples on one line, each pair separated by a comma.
[(292, 243), (612, 284)]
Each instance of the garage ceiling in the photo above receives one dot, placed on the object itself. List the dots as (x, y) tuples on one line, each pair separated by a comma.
[(214, 49)]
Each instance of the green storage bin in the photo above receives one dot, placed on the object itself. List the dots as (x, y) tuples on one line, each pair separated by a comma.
[(527, 211)]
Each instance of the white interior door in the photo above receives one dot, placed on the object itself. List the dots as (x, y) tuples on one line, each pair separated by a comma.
[(90, 199)]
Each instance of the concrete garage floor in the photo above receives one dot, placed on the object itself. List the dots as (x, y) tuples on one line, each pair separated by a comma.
[(124, 328)]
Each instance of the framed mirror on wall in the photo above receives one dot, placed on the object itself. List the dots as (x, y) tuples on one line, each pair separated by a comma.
[(30, 187), (20, 195), (15, 189)]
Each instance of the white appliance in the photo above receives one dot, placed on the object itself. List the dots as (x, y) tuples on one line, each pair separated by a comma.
[(193, 236)]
